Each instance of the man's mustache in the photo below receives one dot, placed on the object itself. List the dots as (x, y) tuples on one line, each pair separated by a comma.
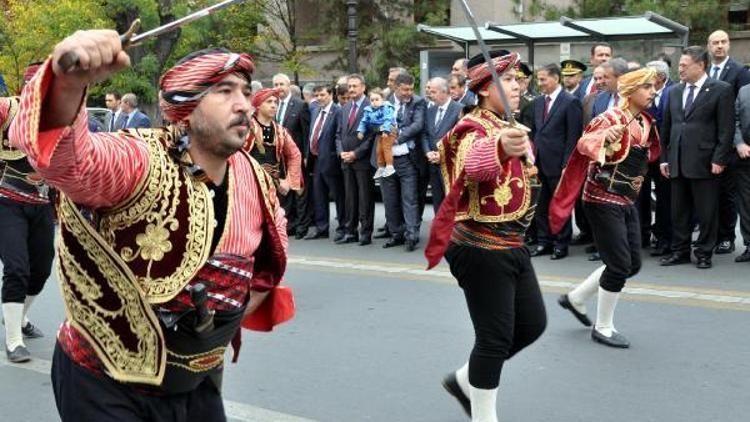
[(241, 120)]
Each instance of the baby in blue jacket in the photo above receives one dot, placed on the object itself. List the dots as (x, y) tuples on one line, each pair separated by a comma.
[(380, 116)]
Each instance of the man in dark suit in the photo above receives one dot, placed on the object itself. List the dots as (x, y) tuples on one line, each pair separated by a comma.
[(556, 127), (742, 146), (355, 165), (697, 139), (662, 228), (112, 101), (325, 165), (400, 189), (601, 52), (609, 98), (294, 114), (724, 68), (440, 118), (130, 117)]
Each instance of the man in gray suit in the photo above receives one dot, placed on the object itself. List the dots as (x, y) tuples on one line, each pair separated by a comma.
[(130, 116), (440, 118), (742, 169), (400, 190)]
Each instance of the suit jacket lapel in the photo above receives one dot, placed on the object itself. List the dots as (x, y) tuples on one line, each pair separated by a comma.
[(698, 100), (553, 108)]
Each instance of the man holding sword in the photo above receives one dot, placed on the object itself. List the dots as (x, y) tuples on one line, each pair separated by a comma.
[(186, 243)]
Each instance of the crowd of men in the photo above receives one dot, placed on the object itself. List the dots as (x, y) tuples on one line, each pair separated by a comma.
[(701, 181)]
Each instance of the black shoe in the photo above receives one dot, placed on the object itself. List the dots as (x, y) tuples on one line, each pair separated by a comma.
[(411, 245), (31, 331), (744, 257), (382, 229), (724, 247), (617, 340), (675, 259), (396, 241), (581, 239), (338, 237), (299, 235), (383, 235), (18, 355), (451, 386), (565, 303), (596, 256), (365, 241), (704, 262), (660, 250), (590, 249), (347, 239), (316, 234), (559, 253), (541, 250)]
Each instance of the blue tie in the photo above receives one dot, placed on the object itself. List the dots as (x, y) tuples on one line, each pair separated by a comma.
[(690, 98), (716, 73)]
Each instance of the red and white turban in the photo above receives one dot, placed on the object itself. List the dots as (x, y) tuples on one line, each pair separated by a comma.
[(480, 74), (183, 86), (264, 94)]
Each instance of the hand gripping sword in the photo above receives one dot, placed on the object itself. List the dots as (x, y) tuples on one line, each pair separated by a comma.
[(511, 120), (69, 60)]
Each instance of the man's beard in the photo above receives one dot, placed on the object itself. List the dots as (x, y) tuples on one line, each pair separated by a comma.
[(202, 134)]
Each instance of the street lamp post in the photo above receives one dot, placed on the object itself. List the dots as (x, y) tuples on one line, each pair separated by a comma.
[(352, 32)]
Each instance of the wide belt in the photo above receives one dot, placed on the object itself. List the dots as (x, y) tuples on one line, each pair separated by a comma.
[(626, 177), (19, 176)]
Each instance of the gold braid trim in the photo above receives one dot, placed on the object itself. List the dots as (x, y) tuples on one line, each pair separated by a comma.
[(7, 152), (200, 362), (82, 292)]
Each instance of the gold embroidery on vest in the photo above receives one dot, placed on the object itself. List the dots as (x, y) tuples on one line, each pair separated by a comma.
[(143, 362)]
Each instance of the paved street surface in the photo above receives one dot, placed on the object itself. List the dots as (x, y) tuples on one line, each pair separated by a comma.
[(374, 334)]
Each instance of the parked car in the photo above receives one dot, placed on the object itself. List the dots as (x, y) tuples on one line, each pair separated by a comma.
[(98, 116)]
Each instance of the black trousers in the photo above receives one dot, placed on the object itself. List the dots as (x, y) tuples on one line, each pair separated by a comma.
[(324, 186), (505, 305), (580, 217), (545, 238), (617, 235), (82, 396), (697, 197), (662, 228), (26, 248), (438, 186), (728, 213), (400, 199), (360, 206), (423, 179), (742, 173)]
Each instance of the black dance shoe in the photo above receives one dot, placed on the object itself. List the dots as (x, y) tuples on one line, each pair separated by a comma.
[(31, 331), (617, 340), (18, 355), (451, 386), (564, 301)]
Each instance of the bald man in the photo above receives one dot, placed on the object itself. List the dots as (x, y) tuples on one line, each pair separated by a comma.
[(724, 68)]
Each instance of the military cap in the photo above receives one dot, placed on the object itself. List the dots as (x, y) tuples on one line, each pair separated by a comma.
[(571, 67), (523, 71)]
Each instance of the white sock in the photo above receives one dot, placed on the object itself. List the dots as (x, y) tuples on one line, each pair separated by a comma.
[(605, 312), (483, 404), (462, 377), (13, 313), (585, 290), (26, 305)]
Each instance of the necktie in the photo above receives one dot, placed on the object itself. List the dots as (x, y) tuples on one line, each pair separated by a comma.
[(690, 98), (111, 126), (592, 86), (715, 74), (616, 101), (352, 114), (547, 101), (439, 117), (280, 113), (316, 133), (121, 121), (400, 114)]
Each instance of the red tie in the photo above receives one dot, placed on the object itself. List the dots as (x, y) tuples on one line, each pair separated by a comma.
[(316, 133), (353, 114), (592, 86), (547, 101), (617, 100)]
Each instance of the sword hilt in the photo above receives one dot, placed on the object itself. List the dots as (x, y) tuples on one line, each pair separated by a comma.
[(69, 60)]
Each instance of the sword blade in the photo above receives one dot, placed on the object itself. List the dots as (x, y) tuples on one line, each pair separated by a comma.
[(486, 53), (171, 26)]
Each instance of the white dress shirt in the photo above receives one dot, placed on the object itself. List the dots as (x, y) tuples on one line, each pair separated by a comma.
[(698, 86), (720, 66)]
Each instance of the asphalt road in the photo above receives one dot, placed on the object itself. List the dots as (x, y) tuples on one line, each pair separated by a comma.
[(374, 334)]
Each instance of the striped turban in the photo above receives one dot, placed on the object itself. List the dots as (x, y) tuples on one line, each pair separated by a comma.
[(631, 81), (263, 94), (479, 72), (183, 86)]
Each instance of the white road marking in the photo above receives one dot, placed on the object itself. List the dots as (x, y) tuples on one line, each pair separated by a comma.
[(234, 410), (693, 294)]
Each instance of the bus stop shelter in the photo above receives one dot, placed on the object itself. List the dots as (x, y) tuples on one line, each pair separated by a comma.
[(566, 30)]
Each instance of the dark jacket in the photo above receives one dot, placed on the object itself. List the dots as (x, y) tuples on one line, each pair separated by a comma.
[(328, 161), (556, 137), (346, 136), (432, 135), (734, 74), (138, 121), (690, 143), (297, 122)]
